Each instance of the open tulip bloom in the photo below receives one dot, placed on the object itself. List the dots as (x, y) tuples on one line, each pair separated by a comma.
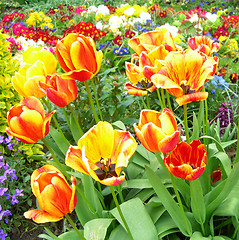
[(54, 195), (187, 161), (184, 74), (101, 153)]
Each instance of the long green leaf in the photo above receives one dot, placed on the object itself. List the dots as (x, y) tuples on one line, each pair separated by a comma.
[(96, 229), (60, 140), (225, 163), (140, 224), (230, 182), (168, 202), (75, 133), (197, 201), (70, 235), (195, 134), (119, 233)]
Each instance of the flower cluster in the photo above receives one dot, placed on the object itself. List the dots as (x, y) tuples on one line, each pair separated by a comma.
[(218, 83), (224, 114), (14, 45), (39, 19), (7, 177)]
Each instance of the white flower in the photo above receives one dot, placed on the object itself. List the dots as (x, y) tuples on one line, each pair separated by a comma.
[(172, 29), (102, 9), (92, 9), (115, 22), (194, 18), (129, 11), (211, 17), (144, 16), (99, 26)]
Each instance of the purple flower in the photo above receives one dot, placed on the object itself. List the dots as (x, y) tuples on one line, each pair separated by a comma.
[(2, 235), (1, 139), (2, 191), (19, 192), (8, 139), (2, 179)]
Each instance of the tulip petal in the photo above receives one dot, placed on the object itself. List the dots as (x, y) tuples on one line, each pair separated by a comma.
[(113, 181), (41, 216), (74, 160), (197, 96), (168, 143), (73, 200), (80, 75)]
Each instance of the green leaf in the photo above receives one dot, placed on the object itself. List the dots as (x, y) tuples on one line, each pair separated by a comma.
[(119, 233), (96, 229), (75, 133), (169, 203), (137, 183), (225, 163), (198, 236), (90, 193), (83, 212), (119, 125), (70, 235), (46, 237), (216, 197), (140, 224), (60, 140), (195, 134), (226, 133), (197, 201)]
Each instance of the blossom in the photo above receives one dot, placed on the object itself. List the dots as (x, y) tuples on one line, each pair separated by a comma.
[(27, 120), (78, 57), (59, 91), (54, 195), (184, 74), (187, 161), (157, 131), (101, 153)]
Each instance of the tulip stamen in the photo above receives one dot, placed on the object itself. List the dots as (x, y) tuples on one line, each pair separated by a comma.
[(105, 169), (193, 167), (186, 88), (144, 85)]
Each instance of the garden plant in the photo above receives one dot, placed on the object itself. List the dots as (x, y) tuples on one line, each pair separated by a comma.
[(119, 120)]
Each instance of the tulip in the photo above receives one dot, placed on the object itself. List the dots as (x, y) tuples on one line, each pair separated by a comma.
[(37, 64), (148, 41), (53, 193), (101, 153), (78, 57), (27, 121), (184, 74), (59, 91), (157, 131), (187, 161), (203, 44)]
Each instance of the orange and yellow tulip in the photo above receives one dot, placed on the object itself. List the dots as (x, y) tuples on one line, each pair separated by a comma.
[(53, 193), (184, 74), (37, 64), (140, 76), (59, 91), (203, 44), (101, 153), (187, 161), (148, 41), (157, 131), (27, 121), (78, 57)]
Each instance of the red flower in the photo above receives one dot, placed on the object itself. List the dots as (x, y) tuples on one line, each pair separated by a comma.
[(187, 161)]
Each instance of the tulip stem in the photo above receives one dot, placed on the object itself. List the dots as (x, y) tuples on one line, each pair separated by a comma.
[(163, 99), (120, 193), (160, 160), (144, 105), (179, 202), (168, 100), (91, 101), (96, 98), (76, 120), (120, 212), (56, 122), (66, 117), (186, 122), (160, 99), (56, 159), (147, 101), (74, 226)]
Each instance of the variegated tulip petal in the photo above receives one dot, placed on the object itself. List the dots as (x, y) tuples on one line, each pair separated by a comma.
[(73, 200), (113, 181), (74, 160), (168, 143), (197, 96), (41, 216), (147, 116), (132, 90)]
